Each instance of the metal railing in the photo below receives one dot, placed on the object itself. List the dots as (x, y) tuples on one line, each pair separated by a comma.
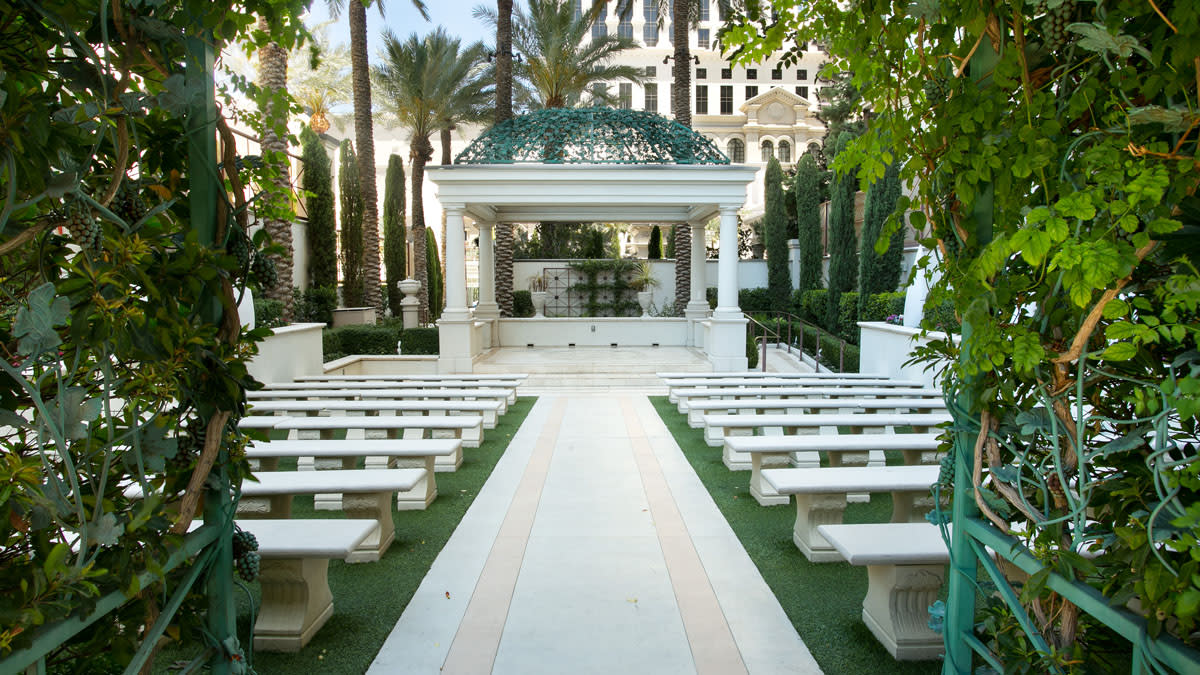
[(764, 333), (795, 338)]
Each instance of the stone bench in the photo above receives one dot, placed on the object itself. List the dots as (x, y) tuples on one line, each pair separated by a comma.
[(401, 394), (466, 428), (717, 427), (296, 599), (366, 493), (378, 454), (906, 566), (684, 397), (821, 497), (508, 391), (715, 385), (407, 377), (756, 373), (490, 410), (760, 406)]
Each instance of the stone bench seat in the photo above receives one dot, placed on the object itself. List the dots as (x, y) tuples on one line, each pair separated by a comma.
[(378, 453), (717, 427), (508, 391), (756, 373), (366, 493), (490, 410), (743, 452), (412, 377), (400, 394), (715, 385), (821, 497), (296, 599), (760, 406), (684, 397), (466, 428), (906, 566)]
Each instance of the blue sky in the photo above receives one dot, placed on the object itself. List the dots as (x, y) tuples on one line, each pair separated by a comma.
[(402, 19)]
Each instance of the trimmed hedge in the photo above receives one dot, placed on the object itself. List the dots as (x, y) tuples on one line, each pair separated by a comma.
[(810, 305), (847, 325), (367, 339), (268, 313), (331, 345), (882, 305), (316, 304), (753, 300), (419, 341), (522, 304), (941, 318)]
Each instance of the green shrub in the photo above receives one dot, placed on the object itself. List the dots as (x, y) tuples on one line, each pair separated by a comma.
[(751, 351), (268, 313), (812, 306), (368, 339), (655, 250), (882, 305), (331, 345), (710, 294), (522, 304), (941, 318), (419, 341), (753, 300), (848, 317), (316, 305)]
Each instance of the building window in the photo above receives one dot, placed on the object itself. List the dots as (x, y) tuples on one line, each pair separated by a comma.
[(599, 93), (727, 73), (650, 29), (625, 28), (701, 99), (752, 73), (726, 100), (625, 96), (785, 152), (599, 29), (702, 38), (777, 74), (702, 73), (802, 74), (651, 98), (651, 71), (737, 151), (751, 91), (578, 8), (768, 151), (704, 12), (802, 92)]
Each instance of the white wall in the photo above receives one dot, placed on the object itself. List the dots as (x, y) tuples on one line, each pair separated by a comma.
[(885, 348), (291, 350)]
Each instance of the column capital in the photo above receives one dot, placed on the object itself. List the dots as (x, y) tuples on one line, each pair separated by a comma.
[(729, 209), (454, 207)]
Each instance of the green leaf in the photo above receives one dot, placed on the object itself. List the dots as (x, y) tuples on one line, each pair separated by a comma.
[(75, 410), (1027, 351), (56, 560), (1115, 309), (106, 531), (1172, 119), (36, 321), (1119, 351), (1095, 37)]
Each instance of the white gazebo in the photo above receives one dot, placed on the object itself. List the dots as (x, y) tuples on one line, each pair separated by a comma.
[(578, 188)]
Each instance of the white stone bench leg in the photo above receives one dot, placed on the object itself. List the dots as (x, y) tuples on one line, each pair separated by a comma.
[(425, 491), (813, 510), (808, 459), (274, 506), (735, 460), (896, 609), (715, 435), (376, 506), (471, 438), (760, 489), (695, 417), (296, 602), (911, 507), (331, 501)]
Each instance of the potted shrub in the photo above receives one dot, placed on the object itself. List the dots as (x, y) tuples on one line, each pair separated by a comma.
[(537, 292), (644, 281)]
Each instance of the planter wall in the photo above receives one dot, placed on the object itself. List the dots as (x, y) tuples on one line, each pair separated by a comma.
[(885, 348), (602, 331), (350, 316), (290, 351)]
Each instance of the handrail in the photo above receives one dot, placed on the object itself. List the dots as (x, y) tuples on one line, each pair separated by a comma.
[(791, 319), (762, 360)]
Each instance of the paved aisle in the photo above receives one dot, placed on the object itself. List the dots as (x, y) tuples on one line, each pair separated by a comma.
[(593, 548)]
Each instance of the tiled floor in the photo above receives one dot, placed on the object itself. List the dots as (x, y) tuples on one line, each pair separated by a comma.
[(593, 548)]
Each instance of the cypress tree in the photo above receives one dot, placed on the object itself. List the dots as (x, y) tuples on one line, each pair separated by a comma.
[(655, 252), (394, 244), (779, 282), (807, 191), (434, 276), (670, 252), (880, 272), (843, 244), (349, 186), (322, 221)]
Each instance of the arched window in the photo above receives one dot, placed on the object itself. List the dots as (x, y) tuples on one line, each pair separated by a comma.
[(785, 152), (737, 151), (768, 151)]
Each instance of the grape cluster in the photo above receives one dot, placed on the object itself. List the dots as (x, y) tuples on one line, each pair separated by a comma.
[(85, 230), (239, 248), (128, 204), (245, 555), (1055, 22), (263, 269)]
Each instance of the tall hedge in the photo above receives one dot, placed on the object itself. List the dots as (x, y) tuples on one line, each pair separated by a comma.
[(352, 226), (395, 248), (317, 181), (879, 272), (779, 280), (433, 276), (843, 244), (807, 191), (655, 252)]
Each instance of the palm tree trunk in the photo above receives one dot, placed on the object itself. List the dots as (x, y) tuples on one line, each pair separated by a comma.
[(420, 151), (364, 139), (272, 76), (681, 109), (503, 60), (445, 139), (504, 268)]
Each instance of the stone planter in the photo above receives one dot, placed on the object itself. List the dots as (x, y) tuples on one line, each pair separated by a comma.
[(349, 316), (539, 304), (644, 298)]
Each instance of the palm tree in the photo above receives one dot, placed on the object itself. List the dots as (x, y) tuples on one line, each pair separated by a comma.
[(424, 80), (364, 138), (272, 77)]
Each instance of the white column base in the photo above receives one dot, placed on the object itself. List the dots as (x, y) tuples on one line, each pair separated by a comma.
[(727, 341), (454, 345)]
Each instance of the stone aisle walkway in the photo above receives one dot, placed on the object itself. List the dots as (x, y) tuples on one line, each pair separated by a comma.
[(593, 548)]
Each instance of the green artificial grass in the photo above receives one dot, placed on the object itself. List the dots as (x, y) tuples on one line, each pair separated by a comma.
[(823, 601), (368, 598)]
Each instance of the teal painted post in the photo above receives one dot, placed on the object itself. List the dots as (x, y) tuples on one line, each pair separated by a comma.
[(964, 565), (203, 200)]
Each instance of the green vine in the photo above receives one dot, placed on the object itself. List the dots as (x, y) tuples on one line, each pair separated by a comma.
[(617, 286)]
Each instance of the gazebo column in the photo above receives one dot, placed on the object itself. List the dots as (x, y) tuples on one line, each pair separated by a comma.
[(697, 308), (487, 307), (455, 328), (726, 343)]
